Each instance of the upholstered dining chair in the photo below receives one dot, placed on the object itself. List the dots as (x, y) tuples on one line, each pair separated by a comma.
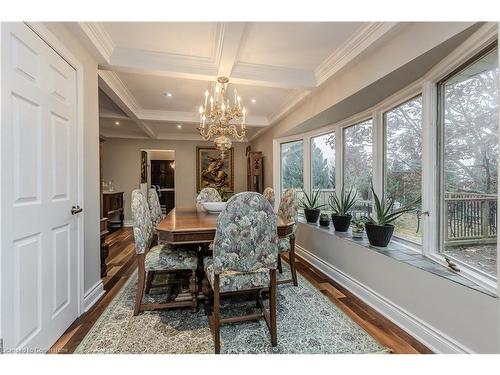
[(154, 209), (269, 195), (158, 258), (207, 195), (245, 253), (288, 209)]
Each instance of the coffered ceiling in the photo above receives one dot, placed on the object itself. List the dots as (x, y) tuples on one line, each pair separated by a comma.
[(155, 74)]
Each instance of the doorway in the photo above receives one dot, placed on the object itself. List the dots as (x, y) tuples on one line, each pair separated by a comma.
[(161, 176)]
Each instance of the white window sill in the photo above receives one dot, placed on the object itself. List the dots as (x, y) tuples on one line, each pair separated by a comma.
[(404, 254)]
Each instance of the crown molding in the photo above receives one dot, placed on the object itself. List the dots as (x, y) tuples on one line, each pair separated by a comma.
[(361, 40), (113, 86), (99, 37), (272, 76), (191, 117)]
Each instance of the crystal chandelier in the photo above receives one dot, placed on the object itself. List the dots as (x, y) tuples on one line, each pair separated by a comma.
[(219, 118)]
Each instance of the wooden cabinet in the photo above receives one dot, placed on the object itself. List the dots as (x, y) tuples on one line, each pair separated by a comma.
[(112, 205), (255, 172)]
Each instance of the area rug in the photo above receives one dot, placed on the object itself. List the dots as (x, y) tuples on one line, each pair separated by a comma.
[(308, 322)]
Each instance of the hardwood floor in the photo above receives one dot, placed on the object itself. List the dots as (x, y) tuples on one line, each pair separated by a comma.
[(121, 264)]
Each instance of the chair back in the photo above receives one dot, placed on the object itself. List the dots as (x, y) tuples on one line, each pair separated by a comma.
[(246, 239), (207, 195), (143, 227), (154, 207), (269, 195), (288, 208)]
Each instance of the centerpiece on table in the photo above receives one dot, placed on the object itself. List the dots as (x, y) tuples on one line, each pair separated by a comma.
[(341, 218), (379, 230), (311, 206)]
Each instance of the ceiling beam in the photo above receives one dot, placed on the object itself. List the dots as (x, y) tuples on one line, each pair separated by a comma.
[(118, 93), (192, 117), (229, 46)]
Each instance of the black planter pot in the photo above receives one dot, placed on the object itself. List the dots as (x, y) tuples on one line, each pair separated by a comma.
[(341, 222), (379, 235), (311, 215)]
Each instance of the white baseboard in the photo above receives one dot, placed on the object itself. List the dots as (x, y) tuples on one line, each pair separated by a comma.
[(431, 337), (128, 223), (93, 295)]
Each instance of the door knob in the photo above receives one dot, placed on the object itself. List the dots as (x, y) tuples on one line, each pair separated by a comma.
[(76, 210)]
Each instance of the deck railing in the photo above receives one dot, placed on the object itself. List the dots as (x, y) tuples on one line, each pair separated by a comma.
[(470, 217)]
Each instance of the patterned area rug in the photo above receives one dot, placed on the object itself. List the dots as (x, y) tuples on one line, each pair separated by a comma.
[(308, 322)]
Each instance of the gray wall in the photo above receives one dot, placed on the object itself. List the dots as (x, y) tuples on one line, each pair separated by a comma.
[(468, 317), (90, 153), (121, 163)]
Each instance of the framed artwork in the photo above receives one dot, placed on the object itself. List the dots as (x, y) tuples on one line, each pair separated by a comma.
[(214, 171), (144, 167)]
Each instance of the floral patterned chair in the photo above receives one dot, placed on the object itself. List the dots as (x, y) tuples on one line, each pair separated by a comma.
[(207, 195), (158, 258), (288, 210), (244, 259), (269, 195)]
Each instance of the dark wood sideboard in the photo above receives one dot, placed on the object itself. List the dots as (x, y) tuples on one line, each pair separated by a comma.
[(112, 204)]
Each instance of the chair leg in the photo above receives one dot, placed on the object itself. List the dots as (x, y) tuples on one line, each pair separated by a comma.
[(279, 264), (272, 308), (292, 261), (140, 283), (149, 281), (216, 314), (193, 288)]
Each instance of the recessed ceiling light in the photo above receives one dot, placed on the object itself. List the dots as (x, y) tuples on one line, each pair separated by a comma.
[(168, 94), (254, 101), (117, 123), (179, 126)]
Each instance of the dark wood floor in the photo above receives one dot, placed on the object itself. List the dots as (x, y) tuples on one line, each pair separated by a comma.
[(121, 264)]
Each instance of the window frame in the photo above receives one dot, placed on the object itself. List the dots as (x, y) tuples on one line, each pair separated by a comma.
[(476, 275), (427, 86), (409, 97)]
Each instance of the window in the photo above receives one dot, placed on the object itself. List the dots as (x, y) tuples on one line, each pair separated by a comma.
[(323, 166), (469, 164), (292, 165), (358, 165), (403, 164)]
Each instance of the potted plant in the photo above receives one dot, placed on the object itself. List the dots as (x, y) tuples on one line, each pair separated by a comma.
[(223, 193), (341, 206), (311, 206), (358, 228), (324, 220), (380, 229)]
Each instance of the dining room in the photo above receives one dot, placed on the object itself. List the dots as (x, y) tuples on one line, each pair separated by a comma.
[(253, 187)]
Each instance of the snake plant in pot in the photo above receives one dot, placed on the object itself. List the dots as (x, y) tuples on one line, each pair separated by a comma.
[(379, 230), (341, 218), (311, 206)]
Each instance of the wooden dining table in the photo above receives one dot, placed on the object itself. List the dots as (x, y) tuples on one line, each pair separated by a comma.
[(190, 226)]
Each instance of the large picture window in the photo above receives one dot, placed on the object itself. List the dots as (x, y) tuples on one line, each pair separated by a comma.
[(358, 165), (323, 166), (403, 165), (469, 165)]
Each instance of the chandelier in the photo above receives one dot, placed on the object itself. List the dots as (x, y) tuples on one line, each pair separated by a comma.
[(219, 118)]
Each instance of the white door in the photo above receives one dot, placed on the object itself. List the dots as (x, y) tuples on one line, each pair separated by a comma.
[(39, 273)]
